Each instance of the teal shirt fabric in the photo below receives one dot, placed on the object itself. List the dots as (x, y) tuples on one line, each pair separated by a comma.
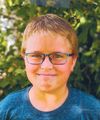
[(78, 106)]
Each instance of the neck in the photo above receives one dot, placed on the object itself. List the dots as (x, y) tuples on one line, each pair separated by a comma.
[(47, 101)]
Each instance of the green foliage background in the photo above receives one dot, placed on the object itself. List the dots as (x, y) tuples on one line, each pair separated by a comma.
[(84, 16)]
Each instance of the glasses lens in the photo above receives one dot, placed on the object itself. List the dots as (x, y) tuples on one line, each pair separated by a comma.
[(58, 58), (34, 58)]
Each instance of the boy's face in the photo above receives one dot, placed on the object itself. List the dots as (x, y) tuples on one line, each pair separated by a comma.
[(46, 76)]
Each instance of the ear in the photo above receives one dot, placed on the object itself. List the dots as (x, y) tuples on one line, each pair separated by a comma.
[(74, 62)]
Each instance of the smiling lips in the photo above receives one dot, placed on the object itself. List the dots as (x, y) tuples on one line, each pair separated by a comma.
[(43, 74)]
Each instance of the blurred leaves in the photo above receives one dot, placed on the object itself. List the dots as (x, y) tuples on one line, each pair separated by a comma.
[(84, 16)]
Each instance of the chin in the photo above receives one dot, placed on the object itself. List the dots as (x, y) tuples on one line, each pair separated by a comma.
[(47, 88)]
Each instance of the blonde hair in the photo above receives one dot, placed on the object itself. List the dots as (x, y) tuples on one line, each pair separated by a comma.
[(50, 23)]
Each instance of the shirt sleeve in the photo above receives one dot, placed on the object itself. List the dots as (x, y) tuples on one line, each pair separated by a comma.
[(5, 106), (3, 110)]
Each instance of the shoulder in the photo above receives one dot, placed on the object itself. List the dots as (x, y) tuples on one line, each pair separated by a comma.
[(84, 104), (15, 96), (12, 100), (85, 100)]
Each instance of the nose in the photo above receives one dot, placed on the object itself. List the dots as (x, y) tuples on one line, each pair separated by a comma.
[(46, 63)]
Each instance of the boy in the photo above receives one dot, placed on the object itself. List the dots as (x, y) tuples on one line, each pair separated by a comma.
[(49, 50)]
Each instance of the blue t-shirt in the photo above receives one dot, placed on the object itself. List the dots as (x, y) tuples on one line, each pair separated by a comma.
[(78, 106)]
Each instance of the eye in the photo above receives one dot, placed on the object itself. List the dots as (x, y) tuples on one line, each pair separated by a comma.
[(35, 55), (57, 55)]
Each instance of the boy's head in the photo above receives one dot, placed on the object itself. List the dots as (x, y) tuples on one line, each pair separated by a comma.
[(53, 24)]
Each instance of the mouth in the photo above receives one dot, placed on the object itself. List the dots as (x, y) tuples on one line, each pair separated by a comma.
[(43, 74)]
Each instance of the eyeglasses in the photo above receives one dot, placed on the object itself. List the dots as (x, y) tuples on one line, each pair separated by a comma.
[(56, 58)]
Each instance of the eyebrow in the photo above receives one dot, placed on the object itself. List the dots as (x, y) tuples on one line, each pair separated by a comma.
[(48, 53), (34, 52)]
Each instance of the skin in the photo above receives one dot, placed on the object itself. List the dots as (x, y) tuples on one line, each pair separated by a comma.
[(49, 81)]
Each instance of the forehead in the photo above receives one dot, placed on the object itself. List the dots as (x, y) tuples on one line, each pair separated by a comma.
[(47, 42)]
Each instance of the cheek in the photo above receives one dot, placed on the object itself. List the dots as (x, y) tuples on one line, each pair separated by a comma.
[(29, 67), (31, 70), (65, 70)]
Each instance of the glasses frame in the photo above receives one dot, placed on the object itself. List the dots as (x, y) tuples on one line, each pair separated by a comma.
[(48, 55)]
